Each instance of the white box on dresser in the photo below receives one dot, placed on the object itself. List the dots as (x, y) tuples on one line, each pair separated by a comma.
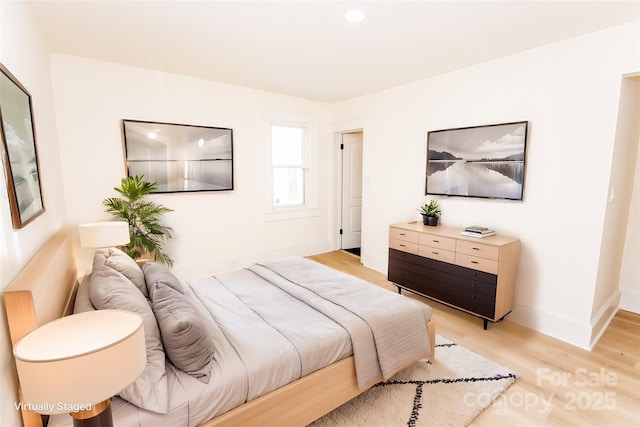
[(474, 275)]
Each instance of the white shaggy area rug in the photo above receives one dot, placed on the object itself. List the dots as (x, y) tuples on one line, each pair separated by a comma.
[(451, 391)]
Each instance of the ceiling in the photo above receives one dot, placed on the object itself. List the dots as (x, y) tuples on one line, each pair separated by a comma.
[(307, 48)]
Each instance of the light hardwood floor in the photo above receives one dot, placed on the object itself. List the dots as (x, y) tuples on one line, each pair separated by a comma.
[(558, 384)]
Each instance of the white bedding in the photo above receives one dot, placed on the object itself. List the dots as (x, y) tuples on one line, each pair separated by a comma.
[(260, 346)]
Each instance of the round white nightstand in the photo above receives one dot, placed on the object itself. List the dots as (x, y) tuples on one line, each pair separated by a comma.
[(76, 363)]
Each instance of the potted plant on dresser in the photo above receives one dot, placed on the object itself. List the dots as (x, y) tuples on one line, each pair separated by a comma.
[(430, 213)]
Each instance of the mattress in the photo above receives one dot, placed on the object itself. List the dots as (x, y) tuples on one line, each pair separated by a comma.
[(264, 336)]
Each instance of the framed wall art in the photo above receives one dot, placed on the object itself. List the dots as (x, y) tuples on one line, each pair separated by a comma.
[(478, 161), (179, 157), (19, 153)]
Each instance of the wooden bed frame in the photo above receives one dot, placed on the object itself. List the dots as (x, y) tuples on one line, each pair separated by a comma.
[(45, 290)]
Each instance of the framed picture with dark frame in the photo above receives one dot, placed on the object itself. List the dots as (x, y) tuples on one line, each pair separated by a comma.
[(179, 157), (19, 152), (477, 161)]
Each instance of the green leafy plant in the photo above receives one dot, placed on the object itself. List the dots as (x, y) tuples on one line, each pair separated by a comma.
[(430, 209), (144, 217)]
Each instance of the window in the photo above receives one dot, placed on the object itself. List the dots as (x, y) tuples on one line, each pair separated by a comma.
[(287, 159), (291, 170)]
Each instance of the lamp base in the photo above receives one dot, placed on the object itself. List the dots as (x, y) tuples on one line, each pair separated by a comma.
[(98, 416)]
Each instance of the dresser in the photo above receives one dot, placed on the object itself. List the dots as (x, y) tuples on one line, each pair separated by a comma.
[(474, 275)]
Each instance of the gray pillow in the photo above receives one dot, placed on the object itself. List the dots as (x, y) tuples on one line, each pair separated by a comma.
[(109, 289), (83, 302), (154, 273), (186, 339), (122, 263)]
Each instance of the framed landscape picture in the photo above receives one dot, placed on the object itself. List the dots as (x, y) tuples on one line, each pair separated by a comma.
[(479, 161), (19, 153)]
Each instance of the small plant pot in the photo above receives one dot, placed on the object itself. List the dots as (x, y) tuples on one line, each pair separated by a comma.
[(430, 220)]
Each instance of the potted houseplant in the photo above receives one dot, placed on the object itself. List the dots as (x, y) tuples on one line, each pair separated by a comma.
[(144, 217), (430, 213)]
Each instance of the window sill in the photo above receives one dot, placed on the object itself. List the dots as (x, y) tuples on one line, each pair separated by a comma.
[(284, 214)]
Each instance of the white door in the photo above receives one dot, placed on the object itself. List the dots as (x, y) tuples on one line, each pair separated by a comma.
[(351, 189)]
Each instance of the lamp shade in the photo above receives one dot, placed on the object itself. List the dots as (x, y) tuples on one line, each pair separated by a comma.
[(104, 234), (76, 361)]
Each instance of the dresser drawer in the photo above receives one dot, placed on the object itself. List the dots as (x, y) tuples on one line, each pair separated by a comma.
[(482, 288), (405, 235), (403, 246), (477, 263), (478, 249), (451, 295), (476, 275), (437, 253), (434, 241), (487, 310)]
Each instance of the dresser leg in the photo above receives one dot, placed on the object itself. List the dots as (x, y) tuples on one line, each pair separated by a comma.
[(485, 324), (399, 290)]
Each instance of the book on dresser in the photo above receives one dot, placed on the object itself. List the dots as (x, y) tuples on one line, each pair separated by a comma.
[(442, 264), (477, 232)]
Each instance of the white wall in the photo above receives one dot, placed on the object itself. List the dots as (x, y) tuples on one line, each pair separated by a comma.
[(630, 271), (623, 163), (569, 93), (213, 230), (22, 52)]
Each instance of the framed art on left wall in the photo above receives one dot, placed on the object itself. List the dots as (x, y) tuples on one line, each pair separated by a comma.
[(19, 153)]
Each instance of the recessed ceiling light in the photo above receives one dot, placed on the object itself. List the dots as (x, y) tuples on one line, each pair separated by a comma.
[(152, 135), (355, 15)]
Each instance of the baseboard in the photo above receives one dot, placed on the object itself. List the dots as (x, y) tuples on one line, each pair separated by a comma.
[(234, 262), (600, 321), (630, 300), (582, 334), (563, 328)]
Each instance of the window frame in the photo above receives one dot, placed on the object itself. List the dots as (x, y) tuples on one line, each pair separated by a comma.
[(310, 166)]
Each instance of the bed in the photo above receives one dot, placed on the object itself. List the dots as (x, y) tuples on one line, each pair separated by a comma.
[(305, 382)]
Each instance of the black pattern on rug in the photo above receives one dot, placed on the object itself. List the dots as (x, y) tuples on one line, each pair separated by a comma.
[(452, 391), (417, 405)]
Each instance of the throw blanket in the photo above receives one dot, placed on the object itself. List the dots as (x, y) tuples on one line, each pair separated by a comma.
[(388, 331)]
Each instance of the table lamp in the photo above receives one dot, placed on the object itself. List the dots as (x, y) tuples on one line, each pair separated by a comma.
[(104, 234), (75, 364)]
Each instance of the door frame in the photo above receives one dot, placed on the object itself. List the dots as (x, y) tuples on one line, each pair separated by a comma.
[(348, 237), (337, 131)]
